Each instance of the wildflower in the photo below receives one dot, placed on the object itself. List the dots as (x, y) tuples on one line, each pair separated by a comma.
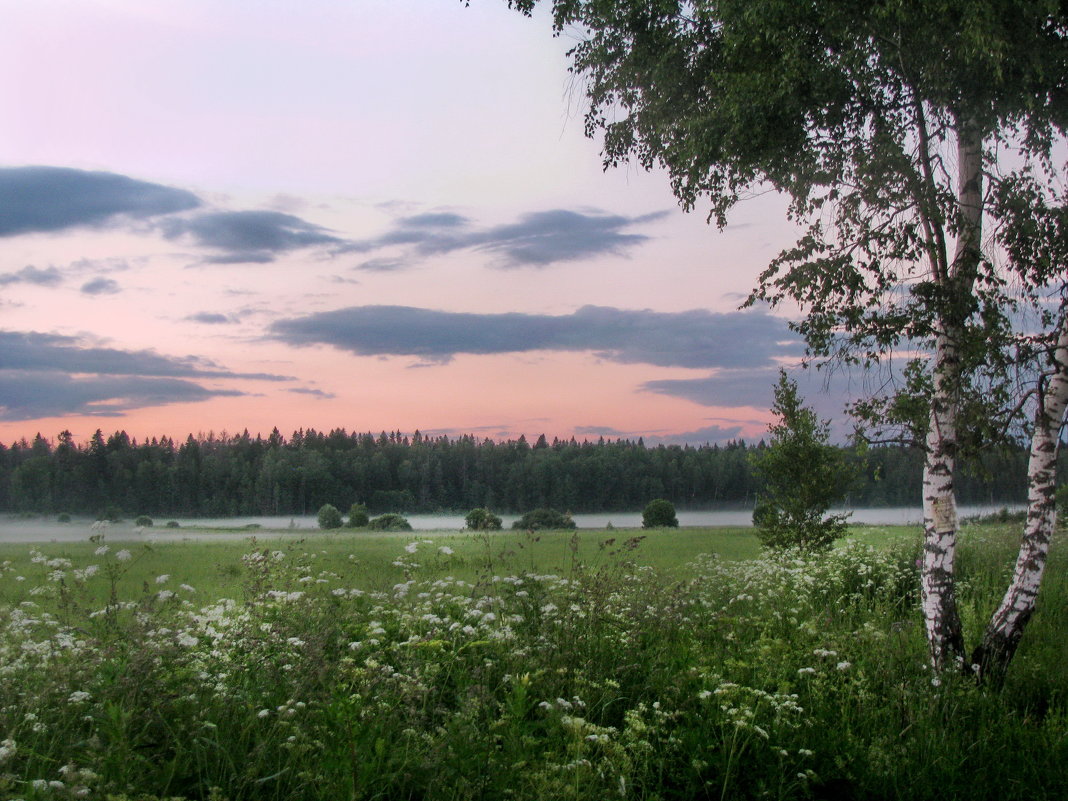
[(163, 579), (7, 748), (806, 671), (186, 588), (844, 665), (103, 549), (445, 550), (78, 696), (263, 713), (411, 547), (124, 555)]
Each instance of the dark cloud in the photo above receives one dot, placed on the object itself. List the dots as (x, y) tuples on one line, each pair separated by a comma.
[(383, 265), (739, 387), (100, 286), (31, 351), (43, 199), (28, 395), (600, 431), (698, 339), (709, 435), (209, 318), (29, 274), (535, 240), (754, 387), (49, 375), (316, 393), (256, 237), (98, 266), (433, 220)]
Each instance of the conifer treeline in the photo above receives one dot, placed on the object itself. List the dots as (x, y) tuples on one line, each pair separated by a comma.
[(243, 475)]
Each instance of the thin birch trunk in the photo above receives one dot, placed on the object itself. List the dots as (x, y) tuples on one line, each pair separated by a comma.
[(991, 658), (945, 637)]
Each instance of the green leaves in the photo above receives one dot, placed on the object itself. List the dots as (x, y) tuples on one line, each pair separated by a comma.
[(802, 476)]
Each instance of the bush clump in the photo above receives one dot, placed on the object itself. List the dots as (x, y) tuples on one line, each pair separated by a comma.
[(143, 520), (329, 517), (111, 514), (659, 514), (802, 476), (544, 519), (482, 519), (173, 524), (358, 517), (389, 522), (63, 518)]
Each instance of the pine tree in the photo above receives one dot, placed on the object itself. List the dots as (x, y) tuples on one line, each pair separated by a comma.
[(802, 477)]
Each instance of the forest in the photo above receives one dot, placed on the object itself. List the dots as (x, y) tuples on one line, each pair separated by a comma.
[(229, 475)]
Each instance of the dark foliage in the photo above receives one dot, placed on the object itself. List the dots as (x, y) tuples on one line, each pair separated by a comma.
[(221, 475), (389, 522), (659, 514), (538, 519)]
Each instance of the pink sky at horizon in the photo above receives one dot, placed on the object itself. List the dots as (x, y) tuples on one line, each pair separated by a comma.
[(430, 159)]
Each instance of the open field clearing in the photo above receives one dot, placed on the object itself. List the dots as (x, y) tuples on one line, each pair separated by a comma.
[(210, 559), (449, 666)]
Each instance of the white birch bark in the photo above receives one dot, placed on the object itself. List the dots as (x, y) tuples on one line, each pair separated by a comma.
[(1006, 627), (941, 618), (938, 598)]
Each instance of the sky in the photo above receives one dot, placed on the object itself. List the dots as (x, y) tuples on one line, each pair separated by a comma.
[(361, 214)]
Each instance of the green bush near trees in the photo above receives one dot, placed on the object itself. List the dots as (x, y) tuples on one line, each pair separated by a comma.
[(802, 477), (143, 520), (659, 514), (329, 517), (358, 517), (482, 519), (544, 519), (389, 522), (111, 514)]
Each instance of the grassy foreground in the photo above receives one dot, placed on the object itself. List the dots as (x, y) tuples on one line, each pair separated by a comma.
[(451, 667)]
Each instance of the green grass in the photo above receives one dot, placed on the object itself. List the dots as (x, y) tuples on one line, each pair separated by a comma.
[(520, 667), (215, 569)]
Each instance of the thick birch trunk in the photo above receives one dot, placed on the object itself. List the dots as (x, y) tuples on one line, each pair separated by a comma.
[(945, 638), (944, 634), (1002, 636)]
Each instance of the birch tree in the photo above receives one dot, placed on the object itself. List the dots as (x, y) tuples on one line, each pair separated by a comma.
[(905, 135)]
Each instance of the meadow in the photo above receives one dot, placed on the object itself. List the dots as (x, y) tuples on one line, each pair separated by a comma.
[(602, 664)]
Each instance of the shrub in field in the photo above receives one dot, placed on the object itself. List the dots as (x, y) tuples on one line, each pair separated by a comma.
[(173, 524), (389, 522), (482, 520), (63, 518), (143, 520), (802, 477), (329, 517), (112, 514), (659, 514), (544, 519), (358, 517)]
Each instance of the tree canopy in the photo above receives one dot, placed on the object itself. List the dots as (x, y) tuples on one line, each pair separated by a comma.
[(916, 144)]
